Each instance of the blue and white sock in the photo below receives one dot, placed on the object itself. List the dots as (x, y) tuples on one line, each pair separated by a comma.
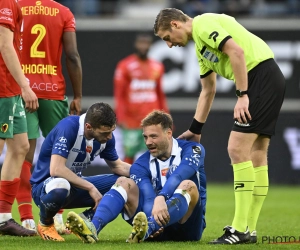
[(110, 206), (51, 203), (178, 206)]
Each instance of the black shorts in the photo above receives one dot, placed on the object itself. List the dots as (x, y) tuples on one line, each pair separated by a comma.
[(266, 88)]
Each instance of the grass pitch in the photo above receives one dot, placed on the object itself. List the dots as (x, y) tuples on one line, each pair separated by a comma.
[(279, 221)]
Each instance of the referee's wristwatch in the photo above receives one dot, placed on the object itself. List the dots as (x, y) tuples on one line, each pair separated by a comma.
[(240, 93)]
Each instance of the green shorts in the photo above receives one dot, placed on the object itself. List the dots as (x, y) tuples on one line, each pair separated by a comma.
[(133, 142), (49, 113), (12, 117)]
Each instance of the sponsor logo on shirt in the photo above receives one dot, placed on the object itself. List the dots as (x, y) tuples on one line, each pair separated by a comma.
[(196, 150), (6, 18), (210, 56), (39, 69), (78, 151), (39, 10), (62, 139), (135, 179), (193, 160), (79, 164), (6, 11)]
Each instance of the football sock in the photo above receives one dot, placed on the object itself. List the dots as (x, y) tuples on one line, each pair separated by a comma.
[(23, 197), (110, 206), (261, 186), (60, 211), (8, 192), (243, 189), (51, 203), (178, 206)]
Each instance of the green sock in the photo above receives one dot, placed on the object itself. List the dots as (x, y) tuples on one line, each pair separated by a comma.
[(260, 191), (243, 188)]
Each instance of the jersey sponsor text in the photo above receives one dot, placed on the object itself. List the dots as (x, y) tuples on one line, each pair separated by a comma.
[(39, 10), (39, 69), (45, 86)]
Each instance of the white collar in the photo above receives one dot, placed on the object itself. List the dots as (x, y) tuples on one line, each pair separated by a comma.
[(174, 150), (81, 124)]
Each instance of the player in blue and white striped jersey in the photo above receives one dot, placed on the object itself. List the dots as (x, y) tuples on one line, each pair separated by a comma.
[(166, 193), (69, 148)]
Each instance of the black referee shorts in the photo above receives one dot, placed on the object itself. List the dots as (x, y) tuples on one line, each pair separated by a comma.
[(266, 88)]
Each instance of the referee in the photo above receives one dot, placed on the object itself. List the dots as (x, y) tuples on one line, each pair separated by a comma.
[(226, 48)]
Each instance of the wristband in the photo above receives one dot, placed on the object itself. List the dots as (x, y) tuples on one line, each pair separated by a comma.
[(196, 127)]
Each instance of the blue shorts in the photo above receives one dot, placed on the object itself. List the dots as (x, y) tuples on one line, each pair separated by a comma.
[(78, 198)]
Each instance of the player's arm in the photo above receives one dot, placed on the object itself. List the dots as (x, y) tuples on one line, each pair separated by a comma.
[(206, 97), (58, 169), (73, 63), (204, 104), (142, 178), (12, 62), (119, 167), (183, 172), (238, 64), (187, 168)]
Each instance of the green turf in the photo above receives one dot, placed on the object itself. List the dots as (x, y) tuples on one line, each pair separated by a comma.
[(279, 217)]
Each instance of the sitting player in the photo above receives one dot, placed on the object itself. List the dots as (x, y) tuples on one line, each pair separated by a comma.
[(166, 190)]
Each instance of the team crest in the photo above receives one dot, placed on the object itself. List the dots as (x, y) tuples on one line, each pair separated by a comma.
[(89, 149), (4, 127), (164, 171)]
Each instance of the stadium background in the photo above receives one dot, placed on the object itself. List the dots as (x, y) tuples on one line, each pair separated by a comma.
[(103, 41)]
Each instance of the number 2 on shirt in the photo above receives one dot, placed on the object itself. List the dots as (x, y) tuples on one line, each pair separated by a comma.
[(41, 31)]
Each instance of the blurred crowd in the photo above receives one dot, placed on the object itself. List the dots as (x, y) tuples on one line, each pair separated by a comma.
[(115, 8)]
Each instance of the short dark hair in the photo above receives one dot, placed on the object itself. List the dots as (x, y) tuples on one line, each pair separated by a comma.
[(158, 117), (165, 16), (100, 114)]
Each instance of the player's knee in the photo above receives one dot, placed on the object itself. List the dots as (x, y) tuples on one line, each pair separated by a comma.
[(188, 186), (236, 154), (58, 183), (22, 148), (126, 187), (126, 183)]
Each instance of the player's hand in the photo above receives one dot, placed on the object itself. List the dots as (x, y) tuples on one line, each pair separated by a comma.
[(75, 106), (160, 211), (30, 99), (157, 233), (241, 112), (189, 136), (96, 196)]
